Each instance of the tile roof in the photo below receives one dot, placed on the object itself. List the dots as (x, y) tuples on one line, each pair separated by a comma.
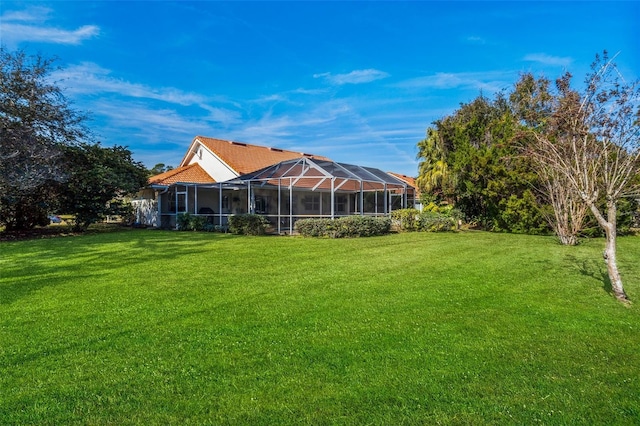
[(192, 173), (246, 158), (411, 181)]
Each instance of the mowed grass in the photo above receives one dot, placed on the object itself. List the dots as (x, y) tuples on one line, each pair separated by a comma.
[(160, 327)]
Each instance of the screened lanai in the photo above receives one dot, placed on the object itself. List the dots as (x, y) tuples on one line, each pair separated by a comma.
[(285, 192), (306, 187)]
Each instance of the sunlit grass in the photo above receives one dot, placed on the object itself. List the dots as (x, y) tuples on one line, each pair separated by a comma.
[(155, 327)]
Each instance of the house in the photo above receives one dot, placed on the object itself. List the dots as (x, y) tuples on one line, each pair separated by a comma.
[(217, 178)]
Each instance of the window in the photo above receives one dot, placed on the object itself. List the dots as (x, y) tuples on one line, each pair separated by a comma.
[(262, 204), (311, 202), (181, 205)]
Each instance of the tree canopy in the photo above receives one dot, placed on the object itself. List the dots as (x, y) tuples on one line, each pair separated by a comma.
[(470, 159), (46, 151)]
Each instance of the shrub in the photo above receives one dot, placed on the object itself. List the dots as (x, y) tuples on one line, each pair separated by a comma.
[(435, 222), (248, 224), (188, 222), (197, 223), (433, 219), (405, 219), (314, 227), (183, 221), (349, 226)]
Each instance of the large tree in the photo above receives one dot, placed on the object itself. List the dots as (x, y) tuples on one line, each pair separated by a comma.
[(470, 159), (592, 142), (532, 101), (36, 121), (91, 193), (48, 159)]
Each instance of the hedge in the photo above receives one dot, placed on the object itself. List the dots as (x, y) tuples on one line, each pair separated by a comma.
[(248, 224), (348, 226), (429, 221)]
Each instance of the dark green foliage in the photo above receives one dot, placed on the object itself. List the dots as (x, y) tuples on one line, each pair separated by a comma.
[(198, 223), (26, 210), (248, 224), (158, 169), (348, 226), (521, 215), (315, 227), (183, 221), (96, 178), (46, 163), (36, 123), (433, 220), (477, 167), (188, 222)]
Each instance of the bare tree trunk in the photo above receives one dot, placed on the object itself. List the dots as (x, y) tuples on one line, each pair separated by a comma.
[(609, 254), (569, 211)]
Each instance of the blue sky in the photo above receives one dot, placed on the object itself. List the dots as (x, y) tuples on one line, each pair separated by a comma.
[(355, 81)]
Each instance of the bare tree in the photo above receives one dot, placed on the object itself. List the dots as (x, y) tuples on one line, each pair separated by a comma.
[(533, 103), (592, 143), (569, 212)]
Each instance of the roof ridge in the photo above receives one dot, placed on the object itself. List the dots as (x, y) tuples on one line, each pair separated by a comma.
[(252, 145), (170, 173)]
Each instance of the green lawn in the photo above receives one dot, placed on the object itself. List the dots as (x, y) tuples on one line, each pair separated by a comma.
[(161, 327)]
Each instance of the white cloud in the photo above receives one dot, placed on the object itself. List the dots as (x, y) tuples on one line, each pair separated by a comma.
[(29, 25), (89, 78), (545, 59), (491, 81), (31, 14), (354, 77)]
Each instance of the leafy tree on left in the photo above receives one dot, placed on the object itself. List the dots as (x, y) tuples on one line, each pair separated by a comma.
[(39, 131)]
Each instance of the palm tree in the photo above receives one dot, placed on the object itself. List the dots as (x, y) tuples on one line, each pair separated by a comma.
[(433, 170)]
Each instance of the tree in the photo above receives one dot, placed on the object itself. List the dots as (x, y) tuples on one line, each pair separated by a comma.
[(593, 142), (159, 168), (433, 171), (47, 157), (470, 159), (91, 193), (532, 103), (36, 121)]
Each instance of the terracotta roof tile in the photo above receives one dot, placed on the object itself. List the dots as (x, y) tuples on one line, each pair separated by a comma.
[(246, 158), (192, 173), (407, 179)]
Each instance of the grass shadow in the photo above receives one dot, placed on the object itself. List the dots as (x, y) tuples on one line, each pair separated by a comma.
[(592, 269), (44, 262)]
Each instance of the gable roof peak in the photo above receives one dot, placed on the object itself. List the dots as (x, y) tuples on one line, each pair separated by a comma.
[(245, 158)]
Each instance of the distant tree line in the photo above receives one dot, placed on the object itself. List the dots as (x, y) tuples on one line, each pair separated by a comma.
[(49, 161)]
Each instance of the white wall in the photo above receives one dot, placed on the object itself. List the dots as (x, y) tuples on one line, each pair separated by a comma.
[(212, 164)]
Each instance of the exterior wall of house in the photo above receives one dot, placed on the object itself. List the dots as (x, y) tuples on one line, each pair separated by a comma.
[(211, 163)]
